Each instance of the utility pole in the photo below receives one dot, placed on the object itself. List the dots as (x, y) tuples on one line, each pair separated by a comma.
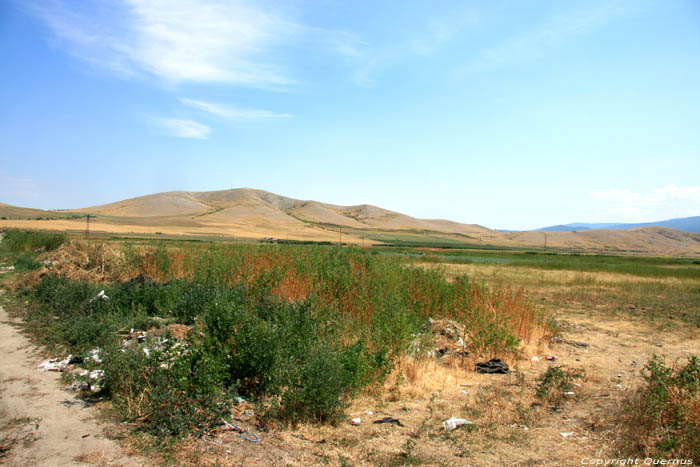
[(340, 235), (87, 226), (545, 242)]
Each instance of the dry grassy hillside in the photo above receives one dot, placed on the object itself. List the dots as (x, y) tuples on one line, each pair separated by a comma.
[(254, 213), (264, 209)]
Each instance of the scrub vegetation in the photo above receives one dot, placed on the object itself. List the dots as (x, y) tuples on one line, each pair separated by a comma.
[(298, 329), (308, 335)]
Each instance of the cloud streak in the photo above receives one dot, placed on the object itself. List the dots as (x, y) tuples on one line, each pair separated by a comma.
[(12, 187), (228, 112), (658, 203), (365, 59), (185, 128), (206, 41), (550, 35)]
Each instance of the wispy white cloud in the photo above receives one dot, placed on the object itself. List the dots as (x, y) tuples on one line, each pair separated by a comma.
[(659, 203), (551, 34), (207, 41), (366, 59), (232, 113), (185, 128), (12, 187)]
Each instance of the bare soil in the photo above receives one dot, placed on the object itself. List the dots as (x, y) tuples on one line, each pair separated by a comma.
[(41, 423)]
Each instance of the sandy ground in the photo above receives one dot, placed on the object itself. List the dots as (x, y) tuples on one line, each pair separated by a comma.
[(50, 425)]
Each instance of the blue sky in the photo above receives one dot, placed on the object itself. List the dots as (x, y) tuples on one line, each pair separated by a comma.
[(510, 114)]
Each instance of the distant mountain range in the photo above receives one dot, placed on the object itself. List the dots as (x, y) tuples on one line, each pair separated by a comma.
[(686, 224)]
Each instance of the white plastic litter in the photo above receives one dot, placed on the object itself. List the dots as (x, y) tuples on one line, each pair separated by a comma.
[(535, 358), (453, 422), (515, 425), (567, 435), (95, 380), (355, 421), (95, 355), (369, 412), (464, 391), (100, 296), (569, 393), (55, 364)]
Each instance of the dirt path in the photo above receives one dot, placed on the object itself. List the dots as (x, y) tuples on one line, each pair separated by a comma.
[(40, 423)]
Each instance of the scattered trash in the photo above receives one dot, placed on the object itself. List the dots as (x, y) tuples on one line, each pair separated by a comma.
[(55, 364), (85, 436), (355, 421), (239, 399), (388, 420), (100, 296), (252, 437), (551, 358), (495, 365), (95, 355), (515, 425), (535, 358), (369, 412), (6, 268), (464, 391), (569, 393), (141, 279), (94, 384), (567, 435), (47, 262), (453, 422)]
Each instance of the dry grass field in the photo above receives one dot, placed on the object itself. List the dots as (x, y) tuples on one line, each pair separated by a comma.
[(609, 326), (255, 214)]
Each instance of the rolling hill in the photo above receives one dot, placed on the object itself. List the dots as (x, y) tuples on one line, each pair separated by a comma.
[(258, 207), (254, 214)]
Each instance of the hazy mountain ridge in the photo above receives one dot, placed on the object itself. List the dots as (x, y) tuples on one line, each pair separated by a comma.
[(686, 224)]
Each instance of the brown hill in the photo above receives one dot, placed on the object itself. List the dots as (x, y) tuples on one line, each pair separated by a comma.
[(254, 213), (258, 207)]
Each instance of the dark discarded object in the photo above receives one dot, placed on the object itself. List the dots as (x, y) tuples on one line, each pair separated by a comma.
[(495, 365), (388, 420), (582, 345), (245, 434), (141, 279)]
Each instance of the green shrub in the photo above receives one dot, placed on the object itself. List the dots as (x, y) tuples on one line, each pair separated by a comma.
[(555, 382), (167, 391), (661, 419), (299, 330), (26, 262), (18, 241)]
